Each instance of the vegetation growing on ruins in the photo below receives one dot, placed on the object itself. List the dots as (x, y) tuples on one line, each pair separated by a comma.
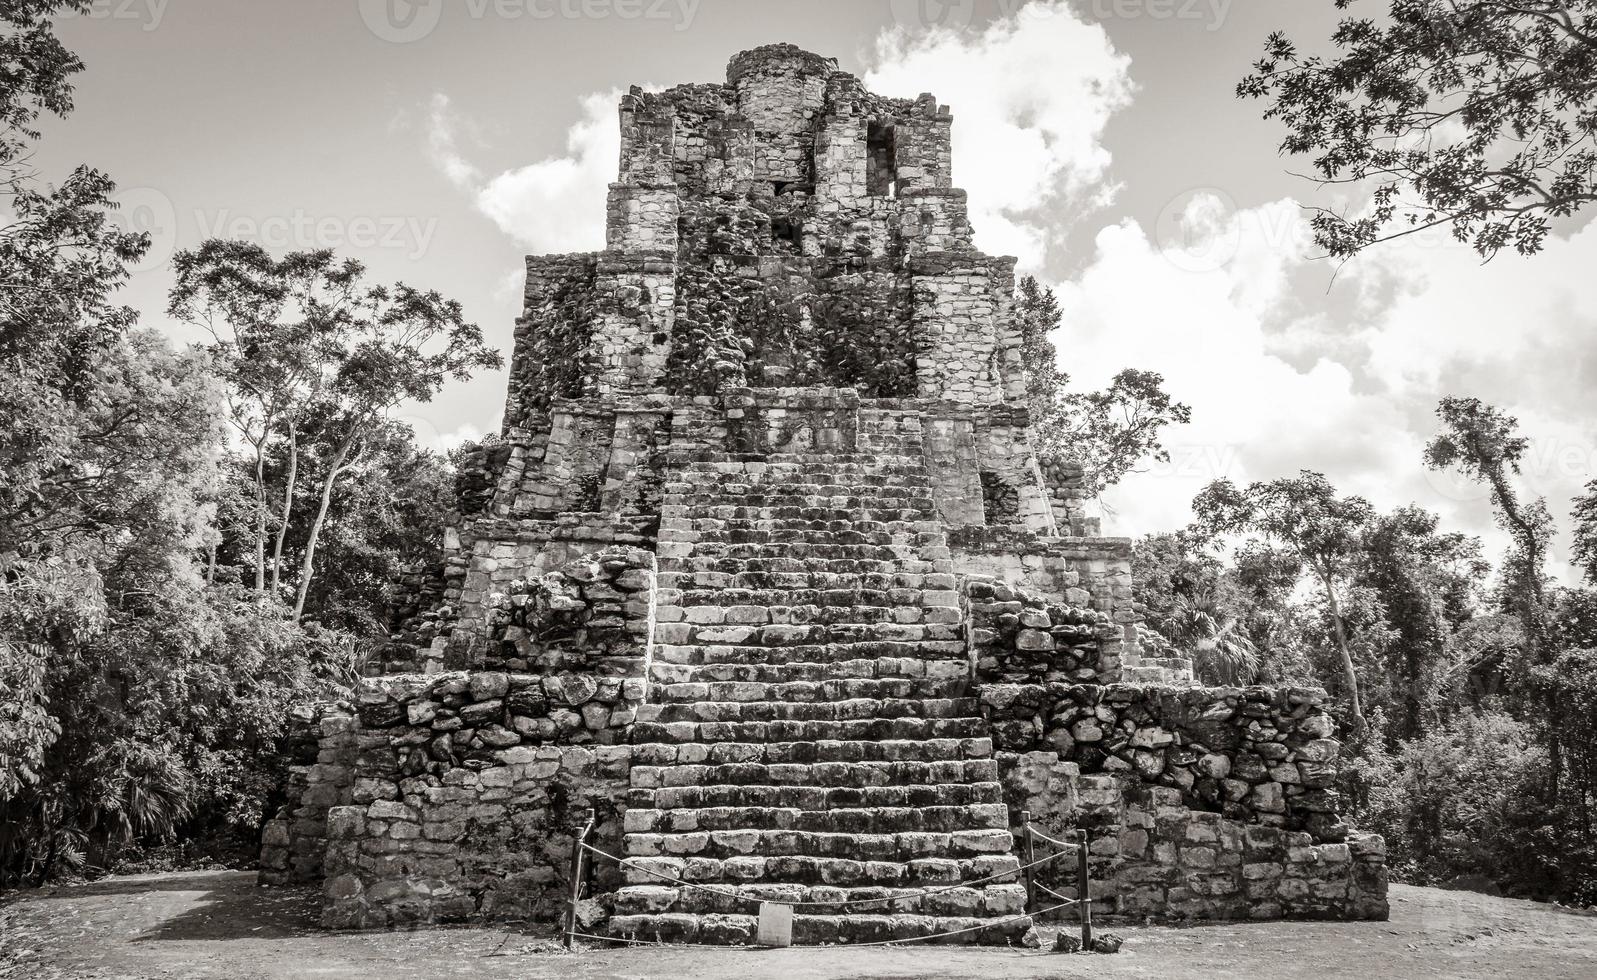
[(192, 542), (1109, 433), (1477, 686)]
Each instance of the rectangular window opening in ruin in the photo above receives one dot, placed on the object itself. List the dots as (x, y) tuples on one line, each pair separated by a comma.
[(881, 159)]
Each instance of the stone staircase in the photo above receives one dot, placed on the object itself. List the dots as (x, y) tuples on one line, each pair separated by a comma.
[(808, 737)]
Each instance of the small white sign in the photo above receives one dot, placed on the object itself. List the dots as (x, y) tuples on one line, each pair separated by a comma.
[(776, 924)]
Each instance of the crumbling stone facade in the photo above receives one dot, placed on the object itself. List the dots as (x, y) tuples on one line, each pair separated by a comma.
[(764, 571)]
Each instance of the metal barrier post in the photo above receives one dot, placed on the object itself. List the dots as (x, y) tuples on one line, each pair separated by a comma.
[(576, 876), (1031, 857), (1084, 889)]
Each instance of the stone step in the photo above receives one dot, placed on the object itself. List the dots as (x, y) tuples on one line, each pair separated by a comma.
[(775, 807), (921, 868), (852, 710), (691, 522), (880, 468), (879, 668), (770, 827), (869, 585), (782, 549), (708, 627), (733, 566), (780, 607), (801, 605), (698, 608), (810, 539), (809, 509), (818, 930), (827, 775), (852, 730), (716, 652), (807, 692), (719, 488), (998, 898), (737, 874), (720, 753), (797, 508), (837, 856), (715, 649)]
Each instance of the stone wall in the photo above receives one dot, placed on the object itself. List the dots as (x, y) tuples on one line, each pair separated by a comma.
[(1264, 756), (1154, 857), (1017, 637), (588, 616), (466, 792), (323, 744), (792, 380)]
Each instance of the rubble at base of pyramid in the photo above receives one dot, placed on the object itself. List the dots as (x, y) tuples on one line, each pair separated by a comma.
[(763, 570)]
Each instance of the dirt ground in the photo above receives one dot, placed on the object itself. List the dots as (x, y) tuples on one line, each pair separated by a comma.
[(220, 925)]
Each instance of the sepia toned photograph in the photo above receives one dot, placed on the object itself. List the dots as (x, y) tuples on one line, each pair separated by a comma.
[(809, 489)]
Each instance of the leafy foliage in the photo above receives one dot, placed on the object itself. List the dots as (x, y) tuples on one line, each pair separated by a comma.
[(1316, 528), (142, 694), (305, 344), (1483, 110), (1109, 433), (847, 330)]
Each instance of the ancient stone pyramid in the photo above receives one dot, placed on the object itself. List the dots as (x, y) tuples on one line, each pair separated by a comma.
[(762, 567)]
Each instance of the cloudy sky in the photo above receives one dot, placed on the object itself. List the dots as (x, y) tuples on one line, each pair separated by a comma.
[(439, 141)]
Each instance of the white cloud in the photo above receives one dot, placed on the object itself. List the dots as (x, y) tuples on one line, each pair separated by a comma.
[(441, 144), (1197, 315), (554, 205), (1518, 334), (1034, 94)]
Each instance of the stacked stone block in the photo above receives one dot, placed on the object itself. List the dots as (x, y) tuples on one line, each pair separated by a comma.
[(763, 569), (810, 737)]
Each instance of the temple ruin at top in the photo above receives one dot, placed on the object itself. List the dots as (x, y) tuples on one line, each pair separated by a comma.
[(765, 570)]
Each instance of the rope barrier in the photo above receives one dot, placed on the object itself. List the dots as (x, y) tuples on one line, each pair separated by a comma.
[(1049, 840), (880, 942), (1068, 901), (959, 932), (915, 893)]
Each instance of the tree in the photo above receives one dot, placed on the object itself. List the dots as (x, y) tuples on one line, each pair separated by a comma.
[(307, 338), (1478, 115), (387, 514), (60, 261), (1109, 433), (1424, 581), (1222, 654), (273, 325), (132, 697), (1585, 518), (1484, 444), (1316, 527)]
